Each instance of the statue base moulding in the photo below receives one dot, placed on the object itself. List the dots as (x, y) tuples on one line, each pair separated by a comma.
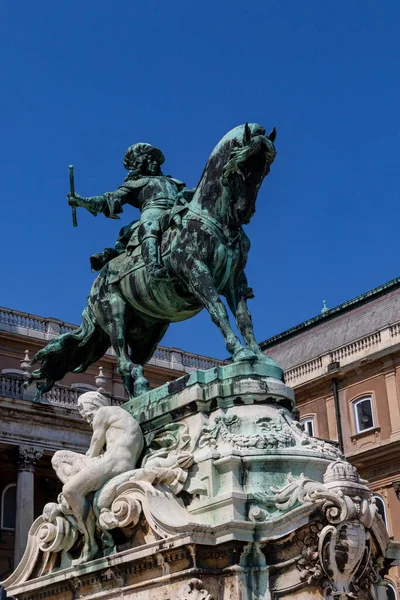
[(232, 500)]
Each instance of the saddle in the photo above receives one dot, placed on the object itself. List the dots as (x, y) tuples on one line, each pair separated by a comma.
[(128, 238)]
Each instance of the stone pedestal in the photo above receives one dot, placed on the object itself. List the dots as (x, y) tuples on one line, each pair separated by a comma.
[(251, 508)]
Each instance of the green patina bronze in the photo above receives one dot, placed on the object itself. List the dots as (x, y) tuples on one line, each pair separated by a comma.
[(187, 250)]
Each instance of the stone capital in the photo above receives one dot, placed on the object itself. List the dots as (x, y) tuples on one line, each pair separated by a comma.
[(27, 457), (396, 486)]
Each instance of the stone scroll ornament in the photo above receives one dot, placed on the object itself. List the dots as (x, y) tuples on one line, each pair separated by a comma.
[(335, 555), (105, 490), (196, 591), (159, 271)]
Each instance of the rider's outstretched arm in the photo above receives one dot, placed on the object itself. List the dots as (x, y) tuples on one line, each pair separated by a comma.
[(110, 203)]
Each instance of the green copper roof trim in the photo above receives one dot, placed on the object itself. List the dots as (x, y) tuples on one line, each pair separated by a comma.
[(331, 313)]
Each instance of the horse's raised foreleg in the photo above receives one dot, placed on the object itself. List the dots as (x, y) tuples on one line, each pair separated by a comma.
[(202, 285)]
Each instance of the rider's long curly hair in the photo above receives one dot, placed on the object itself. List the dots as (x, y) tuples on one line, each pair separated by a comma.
[(135, 169), (134, 164)]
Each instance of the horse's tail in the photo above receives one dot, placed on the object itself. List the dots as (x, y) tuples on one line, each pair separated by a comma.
[(73, 351)]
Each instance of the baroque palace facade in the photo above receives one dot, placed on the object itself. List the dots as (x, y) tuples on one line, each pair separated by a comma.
[(344, 365)]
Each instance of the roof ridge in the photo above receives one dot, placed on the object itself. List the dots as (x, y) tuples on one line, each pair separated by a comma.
[(331, 312)]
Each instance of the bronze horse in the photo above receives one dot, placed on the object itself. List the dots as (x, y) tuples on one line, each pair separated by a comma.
[(204, 249)]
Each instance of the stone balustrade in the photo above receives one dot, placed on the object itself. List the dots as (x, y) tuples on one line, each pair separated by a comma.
[(12, 386), (22, 323), (173, 358), (344, 355)]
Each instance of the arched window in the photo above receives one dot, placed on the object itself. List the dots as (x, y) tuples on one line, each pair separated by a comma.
[(308, 424), (8, 507), (380, 505), (363, 414), (391, 593)]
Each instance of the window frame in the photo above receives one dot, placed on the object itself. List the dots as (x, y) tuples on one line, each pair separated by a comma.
[(355, 402), (310, 418), (385, 518), (2, 527), (389, 584)]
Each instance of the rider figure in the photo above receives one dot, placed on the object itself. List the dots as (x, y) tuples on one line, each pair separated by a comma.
[(146, 188)]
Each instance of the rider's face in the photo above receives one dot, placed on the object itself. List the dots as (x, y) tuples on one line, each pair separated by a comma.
[(152, 165)]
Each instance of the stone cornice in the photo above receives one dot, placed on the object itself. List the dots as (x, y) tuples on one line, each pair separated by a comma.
[(50, 427)]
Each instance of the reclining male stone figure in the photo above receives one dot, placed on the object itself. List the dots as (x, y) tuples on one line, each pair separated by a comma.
[(116, 445), (115, 449)]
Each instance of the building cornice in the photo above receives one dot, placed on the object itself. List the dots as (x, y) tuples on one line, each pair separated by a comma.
[(332, 313)]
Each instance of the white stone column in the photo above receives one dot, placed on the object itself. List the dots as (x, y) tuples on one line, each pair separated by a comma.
[(26, 461)]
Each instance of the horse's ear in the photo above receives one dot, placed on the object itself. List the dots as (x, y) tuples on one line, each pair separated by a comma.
[(272, 136), (246, 134)]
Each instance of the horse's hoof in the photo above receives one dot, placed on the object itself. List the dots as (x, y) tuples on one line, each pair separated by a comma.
[(244, 354)]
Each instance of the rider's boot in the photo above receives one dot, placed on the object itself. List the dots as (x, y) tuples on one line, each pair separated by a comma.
[(150, 257), (97, 261)]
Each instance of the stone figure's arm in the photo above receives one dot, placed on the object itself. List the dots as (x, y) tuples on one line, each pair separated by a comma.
[(98, 440), (110, 203)]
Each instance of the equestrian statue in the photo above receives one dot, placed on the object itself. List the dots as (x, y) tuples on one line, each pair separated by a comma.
[(188, 249)]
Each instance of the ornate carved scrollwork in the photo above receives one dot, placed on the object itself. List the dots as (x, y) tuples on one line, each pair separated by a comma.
[(266, 434), (271, 433), (336, 555), (125, 511), (55, 533), (196, 591), (27, 457), (396, 486)]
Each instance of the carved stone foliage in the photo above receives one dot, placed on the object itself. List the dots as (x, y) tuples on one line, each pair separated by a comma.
[(396, 486), (337, 555), (272, 434), (27, 457), (308, 563), (196, 591), (172, 436), (263, 433)]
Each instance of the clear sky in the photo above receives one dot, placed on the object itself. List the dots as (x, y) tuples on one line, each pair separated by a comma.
[(82, 80)]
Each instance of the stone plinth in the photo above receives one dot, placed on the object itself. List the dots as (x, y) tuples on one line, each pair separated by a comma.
[(233, 501)]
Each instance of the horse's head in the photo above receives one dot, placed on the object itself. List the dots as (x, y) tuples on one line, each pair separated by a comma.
[(235, 172), (249, 162)]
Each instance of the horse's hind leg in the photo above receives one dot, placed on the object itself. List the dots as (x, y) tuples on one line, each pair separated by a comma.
[(118, 337)]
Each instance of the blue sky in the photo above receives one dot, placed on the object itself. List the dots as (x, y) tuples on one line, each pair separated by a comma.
[(82, 80)]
